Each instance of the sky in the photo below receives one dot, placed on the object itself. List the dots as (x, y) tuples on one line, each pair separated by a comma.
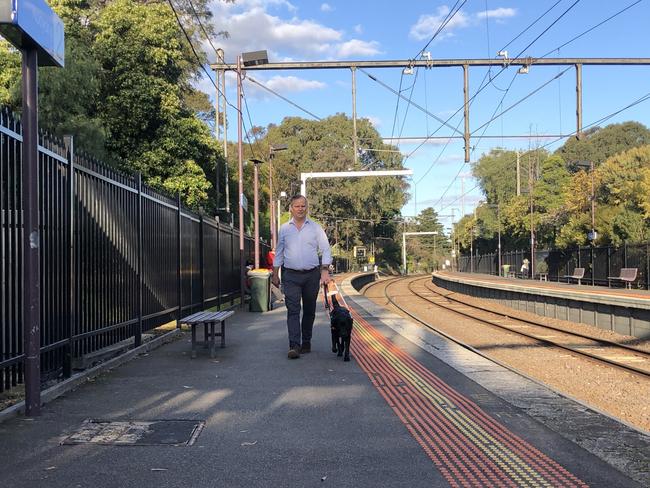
[(535, 105)]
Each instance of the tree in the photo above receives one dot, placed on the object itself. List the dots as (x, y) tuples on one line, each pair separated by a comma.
[(598, 144), (144, 69)]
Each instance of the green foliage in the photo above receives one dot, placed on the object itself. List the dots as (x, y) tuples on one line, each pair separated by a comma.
[(599, 144)]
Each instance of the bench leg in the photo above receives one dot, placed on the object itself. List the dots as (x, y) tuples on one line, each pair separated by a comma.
[(213, 351), (193, 340), (223, 333), (206, 337)]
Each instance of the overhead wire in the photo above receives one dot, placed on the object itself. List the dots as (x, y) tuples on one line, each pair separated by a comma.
[(262, 85), (479, 90)]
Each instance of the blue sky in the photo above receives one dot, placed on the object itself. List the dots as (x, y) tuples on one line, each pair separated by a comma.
[(388, 30)]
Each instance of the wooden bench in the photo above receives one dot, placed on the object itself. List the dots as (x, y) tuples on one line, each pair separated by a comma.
[(627, 275), (578, 274), (208, 319)]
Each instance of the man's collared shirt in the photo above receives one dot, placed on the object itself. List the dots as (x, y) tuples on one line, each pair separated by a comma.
[(298, 249)]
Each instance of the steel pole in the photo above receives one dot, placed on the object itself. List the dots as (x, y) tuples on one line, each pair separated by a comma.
[(31, 237), (256, 214), (271, 206), (354, 115), (499, 233), (404, 252), (240, 161)]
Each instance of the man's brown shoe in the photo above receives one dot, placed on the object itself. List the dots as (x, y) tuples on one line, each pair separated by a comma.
[(306, 347), (293, 353)]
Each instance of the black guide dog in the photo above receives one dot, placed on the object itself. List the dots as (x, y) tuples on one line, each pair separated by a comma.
[(341, 325)]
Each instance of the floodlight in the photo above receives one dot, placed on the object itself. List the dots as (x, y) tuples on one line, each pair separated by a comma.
[(255, 58), (426, 55), (503, 54)]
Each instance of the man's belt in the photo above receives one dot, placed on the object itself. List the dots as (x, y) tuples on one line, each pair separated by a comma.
[(302, 271)]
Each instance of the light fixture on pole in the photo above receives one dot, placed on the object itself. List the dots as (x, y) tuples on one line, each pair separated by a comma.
[(589, 165), (283, 194), (256, 210), (272, 229)]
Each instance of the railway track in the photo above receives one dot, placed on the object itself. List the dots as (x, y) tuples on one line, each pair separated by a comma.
[(595, 349)]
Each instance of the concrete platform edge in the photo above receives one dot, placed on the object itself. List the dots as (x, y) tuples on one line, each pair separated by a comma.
[(75, 380)]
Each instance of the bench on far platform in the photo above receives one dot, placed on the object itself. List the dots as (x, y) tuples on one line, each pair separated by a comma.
[(627, 276), (208, 319)]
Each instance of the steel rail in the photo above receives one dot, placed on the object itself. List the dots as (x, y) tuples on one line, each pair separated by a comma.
[(595, 357)]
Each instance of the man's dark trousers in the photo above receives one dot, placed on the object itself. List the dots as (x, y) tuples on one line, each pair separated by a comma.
[(300, 285)]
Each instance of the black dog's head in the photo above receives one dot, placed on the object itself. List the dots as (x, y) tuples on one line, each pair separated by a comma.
[(340, 319)]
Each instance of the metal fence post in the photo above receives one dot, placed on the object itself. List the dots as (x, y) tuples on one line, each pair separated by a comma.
[(625, 254), (178, 261), (201, 262), (647, 266), (69, 351), (218, 263), (138, 331), (232, 256)]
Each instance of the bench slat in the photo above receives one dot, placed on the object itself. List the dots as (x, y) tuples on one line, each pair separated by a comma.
[(200, 317)]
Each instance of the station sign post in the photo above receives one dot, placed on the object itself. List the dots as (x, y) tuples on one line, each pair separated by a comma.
[(33, 28)]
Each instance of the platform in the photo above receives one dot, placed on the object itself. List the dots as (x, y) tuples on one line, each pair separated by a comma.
[(409, 410), (620, 310)]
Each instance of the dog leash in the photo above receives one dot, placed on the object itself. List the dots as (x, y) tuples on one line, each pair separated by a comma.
[(325, 292)]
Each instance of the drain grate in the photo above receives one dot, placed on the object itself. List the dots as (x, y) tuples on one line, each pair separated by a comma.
[(137, 433)]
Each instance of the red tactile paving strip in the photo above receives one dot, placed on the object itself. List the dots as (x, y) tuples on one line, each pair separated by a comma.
[(467, 446)]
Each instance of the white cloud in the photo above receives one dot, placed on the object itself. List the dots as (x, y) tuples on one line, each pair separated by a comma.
[(375, 121), (284, 85), (497, 13), (252, 28), (326, 7), (355, 47), (358, 29), (427, 25)]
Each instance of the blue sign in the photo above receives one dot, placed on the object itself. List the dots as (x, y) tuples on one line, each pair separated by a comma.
[(32, 24)]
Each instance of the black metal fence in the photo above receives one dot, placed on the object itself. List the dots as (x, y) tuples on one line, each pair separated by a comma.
[(599, 262), (117, 258)]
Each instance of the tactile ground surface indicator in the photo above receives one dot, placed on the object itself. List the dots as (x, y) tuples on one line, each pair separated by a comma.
[(468, 446)]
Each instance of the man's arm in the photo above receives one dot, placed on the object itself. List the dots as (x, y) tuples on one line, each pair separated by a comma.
[(326, 252), (278, 261)]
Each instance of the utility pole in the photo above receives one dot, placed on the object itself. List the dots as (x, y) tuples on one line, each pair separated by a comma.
[(518, 175), (354, 115), (240, 161)]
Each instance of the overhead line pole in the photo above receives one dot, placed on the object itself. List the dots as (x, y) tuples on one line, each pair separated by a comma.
[(354, 115)]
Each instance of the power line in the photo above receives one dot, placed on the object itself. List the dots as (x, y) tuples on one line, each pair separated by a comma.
[(592, 28), (252, 80), (196, 55)]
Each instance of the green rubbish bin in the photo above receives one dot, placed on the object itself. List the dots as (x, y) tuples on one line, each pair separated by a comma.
[(260, 280), (506, 269)]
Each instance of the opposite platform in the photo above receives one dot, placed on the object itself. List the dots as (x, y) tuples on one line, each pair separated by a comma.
[(619, 310)]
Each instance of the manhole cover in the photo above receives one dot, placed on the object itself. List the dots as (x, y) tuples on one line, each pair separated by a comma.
[(137, 433)]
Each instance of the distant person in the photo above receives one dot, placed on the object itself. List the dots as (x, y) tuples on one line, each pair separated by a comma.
[(270, 257), (524, 267), (375, 270), (299, 243)]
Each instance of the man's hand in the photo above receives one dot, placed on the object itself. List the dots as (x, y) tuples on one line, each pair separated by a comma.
[(324, 277), (275, 279)]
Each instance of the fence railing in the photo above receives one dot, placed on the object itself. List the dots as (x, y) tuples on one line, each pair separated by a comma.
[(599, 262), (117, 258)]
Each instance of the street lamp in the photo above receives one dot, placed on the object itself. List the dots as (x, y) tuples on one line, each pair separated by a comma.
[(498, 207), (283, 194), (272, 150), (589, 165), (256, 205)]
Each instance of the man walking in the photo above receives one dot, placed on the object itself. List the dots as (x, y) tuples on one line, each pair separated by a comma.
[(299, 243)]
